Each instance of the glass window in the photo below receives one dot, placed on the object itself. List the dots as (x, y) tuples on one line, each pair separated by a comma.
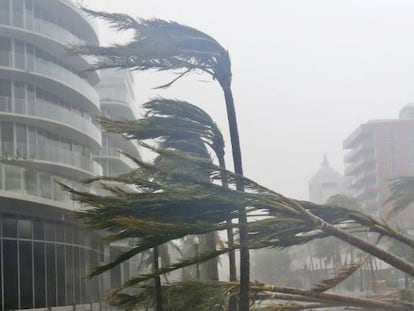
[(19, 57), (60, 233), (29, 14), (24, 228), (7, 138), (61, 277), (93, 257), (32, 142), (51, 275), (45, 186), (39, 274), (11, 292), (5, 93), (19, 97), (13, 178), (21, 141), (5, 51), (69, 234), (59, 193), (38, 230), (76, 236), (26, 275), (76, 273), (9, 227), (17, 13), (50, 232), (30, 179), (70, 274), (5, 12), (83, 276)]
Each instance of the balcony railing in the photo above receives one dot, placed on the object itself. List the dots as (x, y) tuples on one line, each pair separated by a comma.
[(116, 153), (67, 77), (45, 28), (44, 109), (50, 153)]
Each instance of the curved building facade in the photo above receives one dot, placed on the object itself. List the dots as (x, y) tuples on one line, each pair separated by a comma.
[(48, 135), (117, 100)]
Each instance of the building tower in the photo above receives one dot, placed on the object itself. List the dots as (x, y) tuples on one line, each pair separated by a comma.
[(117, 100), (47, 134), (325, 183), (380, 150)]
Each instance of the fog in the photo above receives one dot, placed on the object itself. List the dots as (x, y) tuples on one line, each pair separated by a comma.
[(305, 74)]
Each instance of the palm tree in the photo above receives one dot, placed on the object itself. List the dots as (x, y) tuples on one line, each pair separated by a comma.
[(284, 222), (162, 45), (185, 127)]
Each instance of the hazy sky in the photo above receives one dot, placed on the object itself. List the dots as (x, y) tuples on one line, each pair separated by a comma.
[(305, 74)]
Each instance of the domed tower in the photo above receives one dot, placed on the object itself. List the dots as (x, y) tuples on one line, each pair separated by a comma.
[(325, 183), (47, 133)]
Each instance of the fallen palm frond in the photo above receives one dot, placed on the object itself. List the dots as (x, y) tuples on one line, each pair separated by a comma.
[(375, 304), (343, 274), (192, 295), (208, 295)]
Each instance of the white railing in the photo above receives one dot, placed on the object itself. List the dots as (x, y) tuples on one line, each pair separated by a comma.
[(51, 111), (50, 153)]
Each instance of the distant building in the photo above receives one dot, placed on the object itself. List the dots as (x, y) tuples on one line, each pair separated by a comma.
[(325, 183), (380, 150)]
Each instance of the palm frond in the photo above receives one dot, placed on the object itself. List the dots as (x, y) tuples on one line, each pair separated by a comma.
[(402, 195), (160, 45)]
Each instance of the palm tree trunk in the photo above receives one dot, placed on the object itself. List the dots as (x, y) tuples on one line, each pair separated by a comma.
[(371, 304), (230, 241), (368, 247), (238, 169), (158, 288)]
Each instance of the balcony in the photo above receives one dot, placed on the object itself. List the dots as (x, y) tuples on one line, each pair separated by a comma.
[(43, 33), (363, 163), (49, 153), (53, 112), (46, 28), (51, 70), (68, 78), (361, 149), (116, 154)]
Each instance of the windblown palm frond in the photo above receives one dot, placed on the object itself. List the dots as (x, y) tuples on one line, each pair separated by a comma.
[(402, 195), (194, 206), (192, 295), (171, 120), (159, 45)]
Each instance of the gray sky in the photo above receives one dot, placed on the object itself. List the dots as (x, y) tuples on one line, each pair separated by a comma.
[(305, 74)]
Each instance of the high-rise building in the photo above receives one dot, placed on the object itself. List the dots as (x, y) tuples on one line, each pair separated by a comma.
[(47, 135), (117, 102), (117, 99), (380, 150), (326, 183)]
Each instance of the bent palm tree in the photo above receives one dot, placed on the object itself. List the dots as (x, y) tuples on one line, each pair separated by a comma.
[(181, 126), (286, 221), (163, 45)]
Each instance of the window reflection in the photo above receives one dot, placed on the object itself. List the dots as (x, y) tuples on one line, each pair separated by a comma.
[(46, 264)]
